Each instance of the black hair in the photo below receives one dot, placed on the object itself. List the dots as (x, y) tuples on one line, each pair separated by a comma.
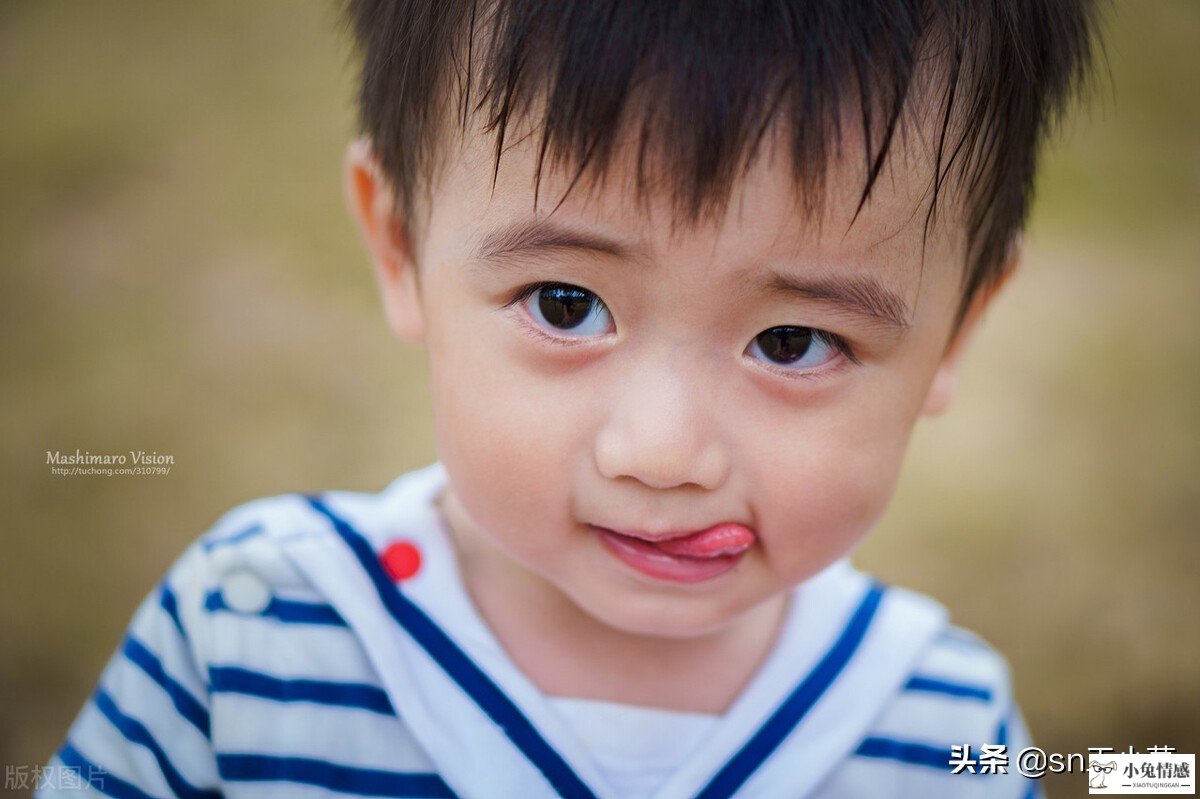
[(712, 75)]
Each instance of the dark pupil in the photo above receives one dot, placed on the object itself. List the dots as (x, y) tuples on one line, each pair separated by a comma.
[(785, 344), (565, 306)]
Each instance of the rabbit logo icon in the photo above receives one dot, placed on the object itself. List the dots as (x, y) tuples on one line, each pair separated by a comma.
[(1099, 772)]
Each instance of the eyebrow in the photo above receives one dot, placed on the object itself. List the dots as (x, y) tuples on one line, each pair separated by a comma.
[(533, 237), (860, 295)]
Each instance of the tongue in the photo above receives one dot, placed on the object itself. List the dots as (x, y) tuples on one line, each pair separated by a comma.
[(724, 539)]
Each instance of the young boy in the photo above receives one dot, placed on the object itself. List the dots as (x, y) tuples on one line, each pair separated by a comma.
[(686, 275)]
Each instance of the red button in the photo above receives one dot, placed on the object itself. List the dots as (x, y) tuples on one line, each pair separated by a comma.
[(401, 560)]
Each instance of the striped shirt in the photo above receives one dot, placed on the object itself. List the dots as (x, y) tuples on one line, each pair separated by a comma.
[(283, 655)]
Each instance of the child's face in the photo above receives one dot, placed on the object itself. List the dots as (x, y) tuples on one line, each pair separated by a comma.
[(666, 408)]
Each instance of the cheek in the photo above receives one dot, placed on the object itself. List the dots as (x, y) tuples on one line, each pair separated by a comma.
[(830, 483), (505, 438)]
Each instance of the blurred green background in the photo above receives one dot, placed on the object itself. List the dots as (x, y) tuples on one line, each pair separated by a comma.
[(179, 274)]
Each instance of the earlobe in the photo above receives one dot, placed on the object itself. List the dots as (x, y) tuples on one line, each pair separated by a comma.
[(941, 391), (370, 199), (945, 381)]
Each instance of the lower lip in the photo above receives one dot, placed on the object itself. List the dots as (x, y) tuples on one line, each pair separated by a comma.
[(653, 562)]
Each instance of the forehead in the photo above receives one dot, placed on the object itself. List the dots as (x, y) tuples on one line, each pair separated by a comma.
[(767, 219)]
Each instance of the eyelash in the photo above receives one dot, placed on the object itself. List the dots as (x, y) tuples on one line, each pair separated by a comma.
[(839, 344), (844, 355), (524, 293)]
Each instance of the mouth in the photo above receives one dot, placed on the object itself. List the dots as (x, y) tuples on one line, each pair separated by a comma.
[(685, 557)]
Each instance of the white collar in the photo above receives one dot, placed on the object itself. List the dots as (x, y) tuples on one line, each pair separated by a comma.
[(847, 646)]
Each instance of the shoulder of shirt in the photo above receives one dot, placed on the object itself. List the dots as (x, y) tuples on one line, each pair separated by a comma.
[(258, 527), (956, 694), (958, 691), (253, 537), (228, 646)]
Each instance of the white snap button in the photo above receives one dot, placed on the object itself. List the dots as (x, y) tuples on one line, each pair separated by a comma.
[(245, 592)]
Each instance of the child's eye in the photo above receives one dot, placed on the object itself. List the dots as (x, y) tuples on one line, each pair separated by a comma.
[(563, 308), (797, 349)]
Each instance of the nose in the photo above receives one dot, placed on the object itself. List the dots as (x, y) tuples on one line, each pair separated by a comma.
[(660, 432)]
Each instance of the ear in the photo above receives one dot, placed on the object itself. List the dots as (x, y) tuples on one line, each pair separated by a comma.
[(945, 380), (369, 196)]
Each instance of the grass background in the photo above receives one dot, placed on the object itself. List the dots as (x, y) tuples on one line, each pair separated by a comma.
[(179, 274)]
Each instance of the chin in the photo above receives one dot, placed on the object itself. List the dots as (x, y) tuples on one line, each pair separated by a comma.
[(678, 617)]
